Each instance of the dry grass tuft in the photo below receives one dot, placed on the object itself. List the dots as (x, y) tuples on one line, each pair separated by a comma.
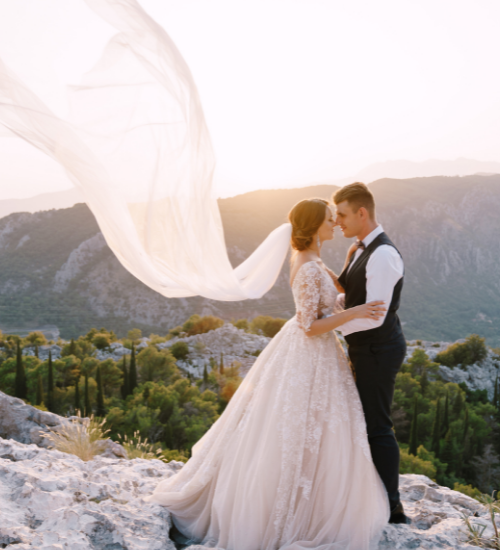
[(79, 437), (136, 448), (476, 532)]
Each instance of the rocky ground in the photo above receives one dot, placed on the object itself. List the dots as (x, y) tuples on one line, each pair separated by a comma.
[(54, 501), (51, 500)]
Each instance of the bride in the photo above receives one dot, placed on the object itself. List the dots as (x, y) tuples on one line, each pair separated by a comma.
[(288, 465)]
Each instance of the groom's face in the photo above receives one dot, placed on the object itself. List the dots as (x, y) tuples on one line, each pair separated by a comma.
[(350, 222)]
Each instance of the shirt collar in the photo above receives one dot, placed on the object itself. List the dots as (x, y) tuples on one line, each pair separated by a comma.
[(367, 241)]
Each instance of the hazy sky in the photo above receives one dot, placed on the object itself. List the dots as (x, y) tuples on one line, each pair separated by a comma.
[(294, 91)]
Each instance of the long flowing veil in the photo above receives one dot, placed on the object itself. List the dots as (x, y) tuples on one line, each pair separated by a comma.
[(136, 145)]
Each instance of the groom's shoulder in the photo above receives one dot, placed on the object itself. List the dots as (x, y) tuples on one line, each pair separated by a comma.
[(385, 245)]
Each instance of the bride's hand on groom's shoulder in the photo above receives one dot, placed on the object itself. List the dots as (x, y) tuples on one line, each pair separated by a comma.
[(335, 280), (351, 251)]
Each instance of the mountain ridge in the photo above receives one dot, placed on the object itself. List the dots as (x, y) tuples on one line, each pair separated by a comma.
[(444, 226)]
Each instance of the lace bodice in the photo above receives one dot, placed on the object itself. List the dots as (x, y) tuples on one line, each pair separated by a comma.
[(314, 293)]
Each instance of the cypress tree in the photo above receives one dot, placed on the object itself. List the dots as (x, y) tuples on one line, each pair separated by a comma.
[(458, 405), (424, 381), (414, 427), (205, 375), (146, 393), (39, 390), (77, 394), (221, 364), (495, 396), (436, 430), (86, 398), (21, 388), (72, 347), (125, 386), (446, 416), (466, 425), (447, 455), (101, 410), (169, 436), (132, 377), (50, 386)]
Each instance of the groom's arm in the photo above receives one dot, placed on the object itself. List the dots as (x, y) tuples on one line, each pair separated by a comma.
[(383, 270)]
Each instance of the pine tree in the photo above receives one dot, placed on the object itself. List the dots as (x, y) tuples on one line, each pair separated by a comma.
[(21, 388), (72, 347), (414, 428), (39, 390), (50, 386), (436, 430), (125, 385), (86, 398), (100, 410), (446, 417), (77, 394), (132, 376), (221, 364), (36, 351), (447, 455)]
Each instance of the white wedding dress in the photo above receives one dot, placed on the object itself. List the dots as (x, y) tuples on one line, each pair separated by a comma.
[(287, 465)]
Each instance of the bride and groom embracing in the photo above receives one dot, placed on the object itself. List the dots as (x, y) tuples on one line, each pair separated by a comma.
[(304, 455)]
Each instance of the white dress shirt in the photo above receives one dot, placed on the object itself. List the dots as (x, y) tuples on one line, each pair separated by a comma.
[(383, 270)]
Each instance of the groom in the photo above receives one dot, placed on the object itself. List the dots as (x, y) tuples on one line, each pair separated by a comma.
[(377, 347)]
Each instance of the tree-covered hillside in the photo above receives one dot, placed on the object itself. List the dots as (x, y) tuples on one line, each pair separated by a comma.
[(55, 269)]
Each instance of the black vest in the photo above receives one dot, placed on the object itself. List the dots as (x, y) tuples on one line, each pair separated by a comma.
[(354, 283)]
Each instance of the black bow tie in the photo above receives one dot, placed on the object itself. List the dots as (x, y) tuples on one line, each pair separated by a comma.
[(360, 244)]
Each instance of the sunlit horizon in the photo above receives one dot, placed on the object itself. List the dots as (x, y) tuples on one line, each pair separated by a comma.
[(294, 93)]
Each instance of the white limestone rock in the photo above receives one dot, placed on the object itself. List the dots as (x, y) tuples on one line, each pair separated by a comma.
[(480, 376), (43, 351), (235, 344), (51, 500), (26, 424)]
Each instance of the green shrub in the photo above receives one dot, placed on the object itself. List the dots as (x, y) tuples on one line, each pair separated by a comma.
[(468, 490), (410, 464), (179, 350), (204, 324), (268, 326), (101, 341), (473, 350), (242, 324)]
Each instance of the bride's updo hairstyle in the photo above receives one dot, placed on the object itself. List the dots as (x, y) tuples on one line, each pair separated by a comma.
[(306, 218)]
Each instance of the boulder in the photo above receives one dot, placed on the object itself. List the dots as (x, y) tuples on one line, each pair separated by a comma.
[(26, 424)]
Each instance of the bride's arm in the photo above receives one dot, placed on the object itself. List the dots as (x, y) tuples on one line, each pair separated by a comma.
[(335, 280), (373, 310), (350, 252)]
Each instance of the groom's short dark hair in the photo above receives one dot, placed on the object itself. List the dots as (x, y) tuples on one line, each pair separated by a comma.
[(356, 194)]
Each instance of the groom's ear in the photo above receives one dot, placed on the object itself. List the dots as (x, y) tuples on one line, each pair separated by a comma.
[(363, 213)]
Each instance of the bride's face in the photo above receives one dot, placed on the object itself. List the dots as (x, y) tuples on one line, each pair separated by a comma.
[(326, 229)]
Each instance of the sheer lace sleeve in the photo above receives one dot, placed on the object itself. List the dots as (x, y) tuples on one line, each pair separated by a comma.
[(307, 291)]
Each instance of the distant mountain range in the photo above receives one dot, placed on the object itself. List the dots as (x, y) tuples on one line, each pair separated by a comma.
[(398, 169), (55, 268)]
